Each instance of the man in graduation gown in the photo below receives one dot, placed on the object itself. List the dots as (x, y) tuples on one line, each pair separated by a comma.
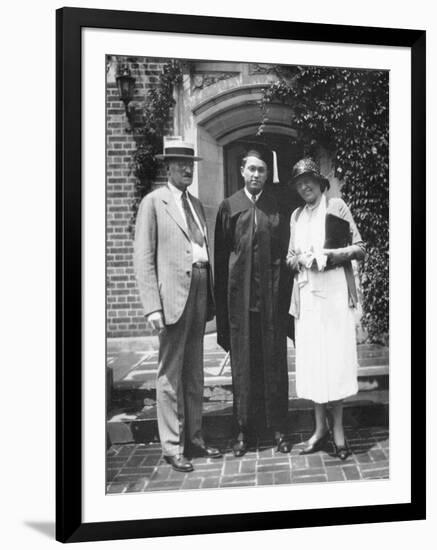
[(250, 248)]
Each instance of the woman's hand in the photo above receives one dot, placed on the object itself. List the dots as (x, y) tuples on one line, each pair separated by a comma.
[(336, 256), (298, 261), (305, 260)]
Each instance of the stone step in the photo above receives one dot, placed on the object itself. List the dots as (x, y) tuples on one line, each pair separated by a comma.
[(367, 408), (132, 363), (137, 344), (128, 395), (217, 376), (131, 381)]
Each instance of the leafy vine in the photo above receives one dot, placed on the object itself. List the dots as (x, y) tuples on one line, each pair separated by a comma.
[(151, 124), (346, 111)]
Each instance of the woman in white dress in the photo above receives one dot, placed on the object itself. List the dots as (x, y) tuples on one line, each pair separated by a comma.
[(323, 241)]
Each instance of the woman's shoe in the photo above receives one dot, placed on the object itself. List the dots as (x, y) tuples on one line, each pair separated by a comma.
[(318, 445), (342, 451), (283, 445)]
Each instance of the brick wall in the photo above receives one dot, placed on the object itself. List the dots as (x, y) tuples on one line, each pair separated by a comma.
[(124, 312)]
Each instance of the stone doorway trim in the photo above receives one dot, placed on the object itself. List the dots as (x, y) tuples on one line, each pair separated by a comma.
[(236, 113)]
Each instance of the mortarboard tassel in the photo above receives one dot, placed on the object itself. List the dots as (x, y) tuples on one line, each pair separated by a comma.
[(275, 168)]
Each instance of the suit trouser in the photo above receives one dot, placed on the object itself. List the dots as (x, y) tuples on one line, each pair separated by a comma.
[(179, 388)]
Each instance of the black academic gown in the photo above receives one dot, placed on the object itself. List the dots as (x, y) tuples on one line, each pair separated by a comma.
[(233, 274)]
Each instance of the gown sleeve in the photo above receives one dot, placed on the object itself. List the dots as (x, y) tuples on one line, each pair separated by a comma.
[(222, 250), (291, 259)]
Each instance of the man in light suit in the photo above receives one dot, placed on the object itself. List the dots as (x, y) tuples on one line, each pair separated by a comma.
[(175, 284)]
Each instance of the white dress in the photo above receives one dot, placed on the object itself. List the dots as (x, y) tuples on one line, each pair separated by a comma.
[(326, 352)]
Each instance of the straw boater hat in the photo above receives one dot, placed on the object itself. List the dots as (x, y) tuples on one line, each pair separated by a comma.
[(175, 148), (307, 166)]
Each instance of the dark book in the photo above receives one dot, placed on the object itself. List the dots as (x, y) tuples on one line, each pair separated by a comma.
[(337, 232)]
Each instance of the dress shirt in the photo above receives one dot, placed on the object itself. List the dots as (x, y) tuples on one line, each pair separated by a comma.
[(200, 253), (253, 198)]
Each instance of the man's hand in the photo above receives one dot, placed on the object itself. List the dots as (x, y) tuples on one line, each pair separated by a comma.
[(156, 321)]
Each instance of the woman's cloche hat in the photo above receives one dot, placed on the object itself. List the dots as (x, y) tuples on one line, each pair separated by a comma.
[(175, 148), (308, 166)]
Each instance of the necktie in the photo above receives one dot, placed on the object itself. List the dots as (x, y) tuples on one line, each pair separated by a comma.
[(193, 229)]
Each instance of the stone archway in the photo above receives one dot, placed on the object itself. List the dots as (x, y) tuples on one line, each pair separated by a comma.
[(235, 113), (223, 123)]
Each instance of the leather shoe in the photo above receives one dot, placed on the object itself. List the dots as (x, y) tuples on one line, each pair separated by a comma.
[(282, 444), (179, 463), (239, 448), (318, 445), (196, 451)]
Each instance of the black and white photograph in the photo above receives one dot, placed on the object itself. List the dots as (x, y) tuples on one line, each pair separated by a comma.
[(218, 275), (237, 283), (247, 274)]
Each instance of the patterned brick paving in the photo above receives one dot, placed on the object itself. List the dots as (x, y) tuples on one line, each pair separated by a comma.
[(140, 468)]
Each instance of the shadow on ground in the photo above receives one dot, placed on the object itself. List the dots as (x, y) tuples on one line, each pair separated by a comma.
[(46, 528)]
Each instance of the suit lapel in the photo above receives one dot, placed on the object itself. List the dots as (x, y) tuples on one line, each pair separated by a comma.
[(173, 210)]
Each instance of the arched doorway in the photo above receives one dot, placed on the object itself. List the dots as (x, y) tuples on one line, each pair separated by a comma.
[(225, 125)]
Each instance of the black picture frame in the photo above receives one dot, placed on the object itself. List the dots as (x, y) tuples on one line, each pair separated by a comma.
[(69, 524)]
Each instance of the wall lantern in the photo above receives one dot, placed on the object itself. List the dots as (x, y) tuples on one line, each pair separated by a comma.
[(126, 86)]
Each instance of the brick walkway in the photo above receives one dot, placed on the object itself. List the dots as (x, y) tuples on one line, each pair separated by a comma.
[(140, 468)]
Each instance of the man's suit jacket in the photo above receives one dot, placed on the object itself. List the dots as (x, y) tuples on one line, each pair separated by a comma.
[(163, 255)]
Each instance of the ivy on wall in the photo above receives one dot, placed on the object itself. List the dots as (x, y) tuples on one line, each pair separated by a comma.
[(150, 126), (345, 111)]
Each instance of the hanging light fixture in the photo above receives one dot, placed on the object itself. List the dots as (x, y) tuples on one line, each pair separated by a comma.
[(126, 86)]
